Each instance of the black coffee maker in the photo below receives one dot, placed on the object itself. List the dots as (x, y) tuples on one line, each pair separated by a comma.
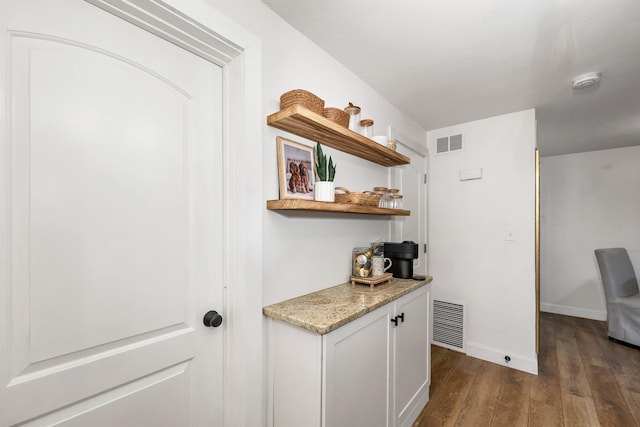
[(402, 256)]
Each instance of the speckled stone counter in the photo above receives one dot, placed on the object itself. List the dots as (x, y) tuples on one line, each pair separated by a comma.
[(328, 309)]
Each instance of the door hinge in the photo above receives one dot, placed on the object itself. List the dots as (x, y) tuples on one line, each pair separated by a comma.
[(425, 178), (425, 248)]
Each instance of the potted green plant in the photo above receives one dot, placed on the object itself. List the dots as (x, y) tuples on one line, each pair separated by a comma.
[(324, 188)]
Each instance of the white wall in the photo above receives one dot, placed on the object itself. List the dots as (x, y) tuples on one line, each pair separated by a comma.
[(469, 258), (588, 201), (305, 252)]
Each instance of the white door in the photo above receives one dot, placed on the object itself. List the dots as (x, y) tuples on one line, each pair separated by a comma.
[(110, 223), (411, 179)]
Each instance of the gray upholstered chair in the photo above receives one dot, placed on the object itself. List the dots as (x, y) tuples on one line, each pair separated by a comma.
[(621, 291)]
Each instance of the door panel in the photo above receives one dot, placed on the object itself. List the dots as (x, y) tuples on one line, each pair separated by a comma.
[(411, 181), (115, 231), (112, 203), (356, 370), (114, 409), (412, 356)]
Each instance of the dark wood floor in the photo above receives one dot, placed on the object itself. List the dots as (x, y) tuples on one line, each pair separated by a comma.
[(584, 380)]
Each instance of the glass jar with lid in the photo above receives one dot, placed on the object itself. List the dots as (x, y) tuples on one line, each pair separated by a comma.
[(366, 128), (384, 196), (354, 117), (361, 261)]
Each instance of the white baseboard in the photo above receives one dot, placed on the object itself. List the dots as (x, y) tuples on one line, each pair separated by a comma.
[(494, 355), (585, 313)]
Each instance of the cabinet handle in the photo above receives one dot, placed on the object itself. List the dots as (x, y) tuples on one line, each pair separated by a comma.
[(395, 319)]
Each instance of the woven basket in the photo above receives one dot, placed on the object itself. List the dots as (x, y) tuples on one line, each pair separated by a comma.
[(304, 98), (337, 115), (368, 198)]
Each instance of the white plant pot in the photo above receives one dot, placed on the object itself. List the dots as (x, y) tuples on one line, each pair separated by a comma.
[(324, 191)]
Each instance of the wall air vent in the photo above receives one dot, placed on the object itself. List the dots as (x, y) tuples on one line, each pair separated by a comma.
[(442, 145), (448, 325), (448, 144), (455, 142)]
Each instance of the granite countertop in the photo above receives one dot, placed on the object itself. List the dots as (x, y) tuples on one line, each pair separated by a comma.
[(326, 310)]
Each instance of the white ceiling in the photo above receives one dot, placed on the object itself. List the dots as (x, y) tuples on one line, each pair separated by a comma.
[(445, 62)]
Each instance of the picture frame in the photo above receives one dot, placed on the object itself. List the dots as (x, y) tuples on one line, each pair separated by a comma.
[(296, 169)]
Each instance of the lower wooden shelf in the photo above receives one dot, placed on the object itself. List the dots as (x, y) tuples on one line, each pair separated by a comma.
[(312, 205)]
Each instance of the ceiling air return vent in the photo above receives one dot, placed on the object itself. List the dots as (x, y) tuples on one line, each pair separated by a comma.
[(448, 144)]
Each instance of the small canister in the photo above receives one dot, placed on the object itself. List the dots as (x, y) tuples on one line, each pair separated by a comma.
[(354, 117), (377, 248), (361, 261), (366, 128)]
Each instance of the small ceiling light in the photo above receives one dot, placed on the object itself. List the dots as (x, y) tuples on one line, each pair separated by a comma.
[(586, 80)]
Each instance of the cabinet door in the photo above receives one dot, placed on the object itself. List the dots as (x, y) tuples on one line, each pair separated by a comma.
[(356, 372), (412, 356)]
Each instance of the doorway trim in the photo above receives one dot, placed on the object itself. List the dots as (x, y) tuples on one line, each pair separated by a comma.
[(201, 30), (537, 231)]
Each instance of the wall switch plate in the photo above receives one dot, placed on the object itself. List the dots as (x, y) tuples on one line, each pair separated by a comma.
[(510, 235)]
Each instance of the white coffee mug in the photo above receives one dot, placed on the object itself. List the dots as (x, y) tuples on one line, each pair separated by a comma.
[(378, 265)]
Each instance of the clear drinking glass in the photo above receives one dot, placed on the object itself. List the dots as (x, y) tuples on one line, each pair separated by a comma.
[(390, 199), (396, 201), (384, 196)]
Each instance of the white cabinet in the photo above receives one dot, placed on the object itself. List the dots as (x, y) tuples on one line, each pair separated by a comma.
[(411, 357), (356, 371), (366, 373)]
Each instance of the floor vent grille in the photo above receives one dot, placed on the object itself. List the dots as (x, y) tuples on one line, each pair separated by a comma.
[(448, 325)]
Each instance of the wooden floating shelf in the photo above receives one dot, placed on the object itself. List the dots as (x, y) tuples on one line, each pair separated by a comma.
[(312, 205), (307, 124)]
